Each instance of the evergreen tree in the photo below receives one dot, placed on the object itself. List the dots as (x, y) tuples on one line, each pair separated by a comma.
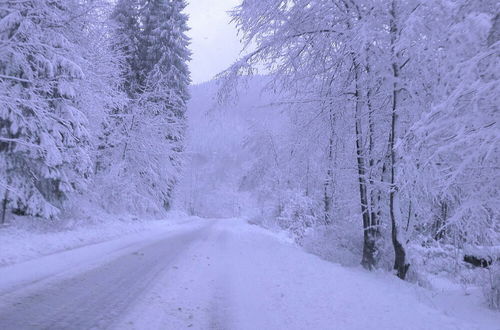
[(167, 83), (43, 133), (126, 33), (156, 46)]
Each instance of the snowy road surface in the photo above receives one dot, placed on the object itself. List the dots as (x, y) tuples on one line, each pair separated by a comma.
[(222, 274)]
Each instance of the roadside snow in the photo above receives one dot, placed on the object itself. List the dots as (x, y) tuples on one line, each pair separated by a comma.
[(79, 259), (26, 238)]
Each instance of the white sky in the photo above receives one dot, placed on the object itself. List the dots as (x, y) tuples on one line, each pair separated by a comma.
[(215, 45)]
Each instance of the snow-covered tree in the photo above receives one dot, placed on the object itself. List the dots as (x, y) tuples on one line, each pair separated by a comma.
[(44, 132), (397, 86), (451, 152), (156, 76), (60, 87)]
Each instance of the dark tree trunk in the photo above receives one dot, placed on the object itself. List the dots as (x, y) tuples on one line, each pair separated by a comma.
[(368, 260), (373, 231), (328, 188), (400, 264), (4, 206), (328, 185), (308, 169)]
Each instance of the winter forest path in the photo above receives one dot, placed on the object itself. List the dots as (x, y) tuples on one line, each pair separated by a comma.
[(218, 274)]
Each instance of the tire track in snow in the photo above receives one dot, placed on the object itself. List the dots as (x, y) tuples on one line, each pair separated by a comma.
[(219, 317)]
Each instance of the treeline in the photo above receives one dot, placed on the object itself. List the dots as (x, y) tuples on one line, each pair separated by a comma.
[(92, 102), (393, 121)]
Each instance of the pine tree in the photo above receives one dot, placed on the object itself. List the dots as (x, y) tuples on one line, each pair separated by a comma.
[(127, 34), (156, 46), (168, 81), (43, 133), (167, 53)]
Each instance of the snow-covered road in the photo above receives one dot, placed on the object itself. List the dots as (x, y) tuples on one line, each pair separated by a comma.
[(221, 274)]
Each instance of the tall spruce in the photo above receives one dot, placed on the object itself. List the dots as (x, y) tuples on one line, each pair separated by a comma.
[(157, 80), (43, 132)]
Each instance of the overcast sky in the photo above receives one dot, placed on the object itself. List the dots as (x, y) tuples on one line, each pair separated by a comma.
[(214, 41)]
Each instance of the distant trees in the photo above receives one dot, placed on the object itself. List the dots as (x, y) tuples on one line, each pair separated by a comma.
[(401, 98), (72, 95)]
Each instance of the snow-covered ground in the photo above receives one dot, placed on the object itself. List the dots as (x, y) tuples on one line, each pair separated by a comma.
[(27, 238), (218, 274)]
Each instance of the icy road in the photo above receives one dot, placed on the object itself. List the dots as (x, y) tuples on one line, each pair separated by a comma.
[(222, 274)]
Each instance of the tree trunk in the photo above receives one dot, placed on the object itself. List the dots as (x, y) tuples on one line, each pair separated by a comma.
[(328, 184), (308, 169), (368, 260), (328, 187), (374, 194), (4, 206), (400, 264)]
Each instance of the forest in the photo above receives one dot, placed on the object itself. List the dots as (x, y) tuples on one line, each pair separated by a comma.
[(364, 131), (91, 102), (375, 123)]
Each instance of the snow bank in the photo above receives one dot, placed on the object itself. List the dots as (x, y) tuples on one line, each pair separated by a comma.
[(25, 238)]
